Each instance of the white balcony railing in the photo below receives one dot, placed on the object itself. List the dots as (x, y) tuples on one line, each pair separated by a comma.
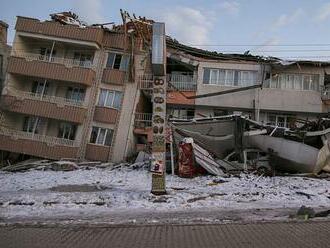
[(325, 93), (177, 82), (49, 140), (68, 62), (143, 120), (145, 81), (182, 82), (61, 101)]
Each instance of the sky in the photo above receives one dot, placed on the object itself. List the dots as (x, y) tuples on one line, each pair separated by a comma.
[(292, 29)]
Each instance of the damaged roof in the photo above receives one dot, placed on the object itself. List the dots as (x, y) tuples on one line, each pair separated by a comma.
[(205, 54)]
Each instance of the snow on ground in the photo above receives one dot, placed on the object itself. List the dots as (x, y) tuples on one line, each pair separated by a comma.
[(30, 194)]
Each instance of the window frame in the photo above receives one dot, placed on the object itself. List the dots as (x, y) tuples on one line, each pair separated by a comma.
[(67, 135), (114, 94), (122, 65), (107, 131), (312, 82), (232, 77)]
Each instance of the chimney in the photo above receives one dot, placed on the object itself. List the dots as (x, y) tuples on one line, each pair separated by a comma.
[(3, 32)]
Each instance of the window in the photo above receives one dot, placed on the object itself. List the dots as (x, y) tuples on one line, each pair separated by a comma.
[(280, 120), (40, 88), (82, 59), (229, 77), (110, 98), (182, 113), (45, 54), (101, 136), (294, 82), (67, 131), (75, 94), (32, 124), (118, 61)]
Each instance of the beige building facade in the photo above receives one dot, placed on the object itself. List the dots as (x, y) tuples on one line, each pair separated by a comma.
[(85, 92)]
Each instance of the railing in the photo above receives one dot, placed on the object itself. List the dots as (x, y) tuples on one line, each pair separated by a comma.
[(182, 82), (50, 140), (177, 82), (325, 93), (143, 120), (145, 81), (68, 62), (45, 98)]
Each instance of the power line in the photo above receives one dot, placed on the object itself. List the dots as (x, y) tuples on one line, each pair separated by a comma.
[(263, 45)]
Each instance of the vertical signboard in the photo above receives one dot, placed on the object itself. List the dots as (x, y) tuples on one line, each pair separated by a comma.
[(158, 165)]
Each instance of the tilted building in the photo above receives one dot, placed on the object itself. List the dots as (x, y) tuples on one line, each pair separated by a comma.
[(85, 92), (4, 51)]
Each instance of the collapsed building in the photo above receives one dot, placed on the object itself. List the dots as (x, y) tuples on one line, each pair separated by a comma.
[(4, 51), (85, 92)]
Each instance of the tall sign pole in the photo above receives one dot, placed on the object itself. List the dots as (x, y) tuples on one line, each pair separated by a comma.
[(158, 166)]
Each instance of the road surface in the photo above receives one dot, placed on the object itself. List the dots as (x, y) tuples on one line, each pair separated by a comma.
[(278, 234)]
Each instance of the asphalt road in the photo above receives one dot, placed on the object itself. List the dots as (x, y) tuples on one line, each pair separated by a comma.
[(293, 234)]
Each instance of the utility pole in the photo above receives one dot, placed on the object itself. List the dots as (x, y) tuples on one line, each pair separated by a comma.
[(158, 167)]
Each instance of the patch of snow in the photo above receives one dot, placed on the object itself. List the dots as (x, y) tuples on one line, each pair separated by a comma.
[(128, 189)]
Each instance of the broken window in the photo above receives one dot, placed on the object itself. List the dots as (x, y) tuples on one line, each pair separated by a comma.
[(110, 98), (279, 120), (117, 61), (67, 131), (101, 136), (182, 113)]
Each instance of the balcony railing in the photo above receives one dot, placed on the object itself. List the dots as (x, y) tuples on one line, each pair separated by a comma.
[(325, 93), (68, 62), (145, 81), (49, 140), (182, 82), (143, 120), (177, 82), (45, 98)]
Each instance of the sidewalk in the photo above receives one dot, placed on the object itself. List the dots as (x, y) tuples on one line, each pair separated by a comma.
[(297, 234)]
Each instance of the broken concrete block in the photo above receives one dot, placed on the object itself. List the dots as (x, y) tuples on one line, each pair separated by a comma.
[(64, 166)]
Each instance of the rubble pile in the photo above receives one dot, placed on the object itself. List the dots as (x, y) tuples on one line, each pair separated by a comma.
[(67, 165)]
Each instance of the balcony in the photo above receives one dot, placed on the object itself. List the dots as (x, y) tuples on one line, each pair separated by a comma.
[(175, 82), (106, 115), (143, 125), (37, 145), (142, 120), (45, 106), (182, 82), (112, 76), (56, 68), (97, 152), (51, 28)]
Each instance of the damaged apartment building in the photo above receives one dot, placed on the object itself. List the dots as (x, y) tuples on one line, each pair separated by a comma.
[(85, 92)]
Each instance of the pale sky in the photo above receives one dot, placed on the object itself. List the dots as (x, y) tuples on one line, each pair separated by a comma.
[(266, 27)]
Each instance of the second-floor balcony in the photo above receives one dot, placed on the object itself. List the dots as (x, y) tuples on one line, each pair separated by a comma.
[(175, 82), (142, 120), (57, 68), (43, 105), (182, 82)]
